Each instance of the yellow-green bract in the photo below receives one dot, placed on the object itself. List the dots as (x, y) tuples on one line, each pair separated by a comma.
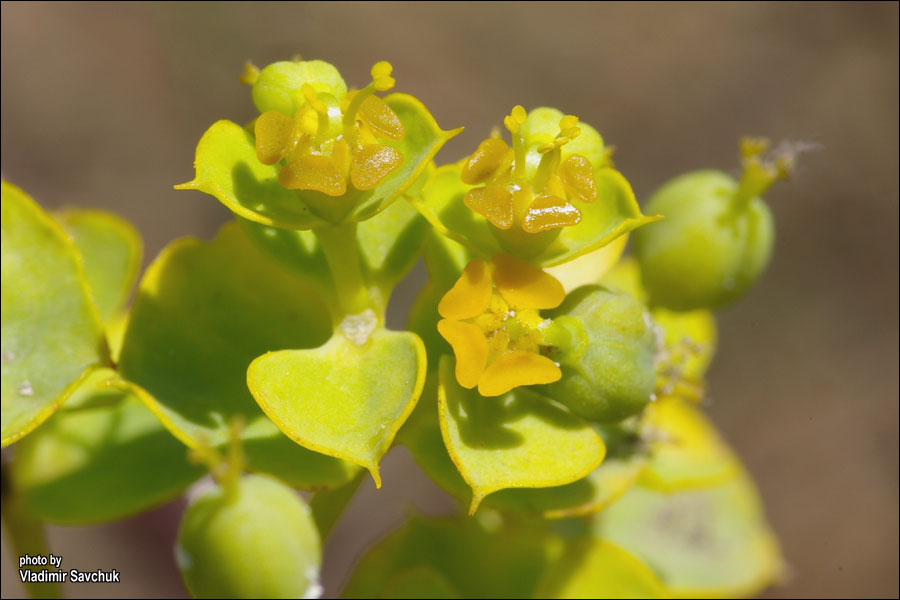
[(52, 334)]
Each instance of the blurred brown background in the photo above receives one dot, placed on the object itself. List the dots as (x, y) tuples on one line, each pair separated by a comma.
[(102, 105)]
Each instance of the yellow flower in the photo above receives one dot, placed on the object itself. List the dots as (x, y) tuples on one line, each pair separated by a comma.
[(491, 320), (531, 186), (333, 138)]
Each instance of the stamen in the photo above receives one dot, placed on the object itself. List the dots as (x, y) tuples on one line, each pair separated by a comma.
[(381, 76), (546, 168), (513, 123), (381, 81), (567, 132), (316, 103), (514, 120)]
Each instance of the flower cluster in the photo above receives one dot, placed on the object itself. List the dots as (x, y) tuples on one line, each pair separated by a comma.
[(531, 187), (491, 320), (332, 137)]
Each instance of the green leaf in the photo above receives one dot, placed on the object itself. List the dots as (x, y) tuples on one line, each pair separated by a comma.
[(441, 202), (603, 485), (422, 437), (520, 439), (51, 332), (419, 582), (203, 312), (389, 244), (599, 569), (445, 260), (388, 247), (227, 168), (705, 543), (295, 249), (615, 213), (470, 560), (346, 398), (111, 248), (685, 450), (103, 457), (586, 496)]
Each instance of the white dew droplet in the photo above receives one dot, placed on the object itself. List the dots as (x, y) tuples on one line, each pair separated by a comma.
[(26, 389)]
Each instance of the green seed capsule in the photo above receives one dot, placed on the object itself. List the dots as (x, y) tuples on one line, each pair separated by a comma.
[(256, 539), (709, 249), (613, 378), (717, 235), (278, 86)]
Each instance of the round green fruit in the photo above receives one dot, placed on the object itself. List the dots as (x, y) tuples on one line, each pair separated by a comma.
[(613, 377), (709, 248), (255, 539)]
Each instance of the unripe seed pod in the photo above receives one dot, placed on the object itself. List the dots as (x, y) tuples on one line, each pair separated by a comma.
[(253, 539), (278, 86), (715, 239), (613, 378)]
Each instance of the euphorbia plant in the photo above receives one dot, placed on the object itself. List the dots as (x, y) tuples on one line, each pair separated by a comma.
[(545, 381)]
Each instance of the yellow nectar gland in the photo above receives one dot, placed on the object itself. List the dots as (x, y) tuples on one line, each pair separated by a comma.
[(491, 320), (508, 198), (328, 142)]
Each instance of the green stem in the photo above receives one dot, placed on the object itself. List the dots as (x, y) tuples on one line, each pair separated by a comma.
[(756, 179), (26, 535), (340, 247)]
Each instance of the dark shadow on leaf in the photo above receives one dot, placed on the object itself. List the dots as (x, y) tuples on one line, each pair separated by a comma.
[(280, 456), (267, 197), (119, 476)]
